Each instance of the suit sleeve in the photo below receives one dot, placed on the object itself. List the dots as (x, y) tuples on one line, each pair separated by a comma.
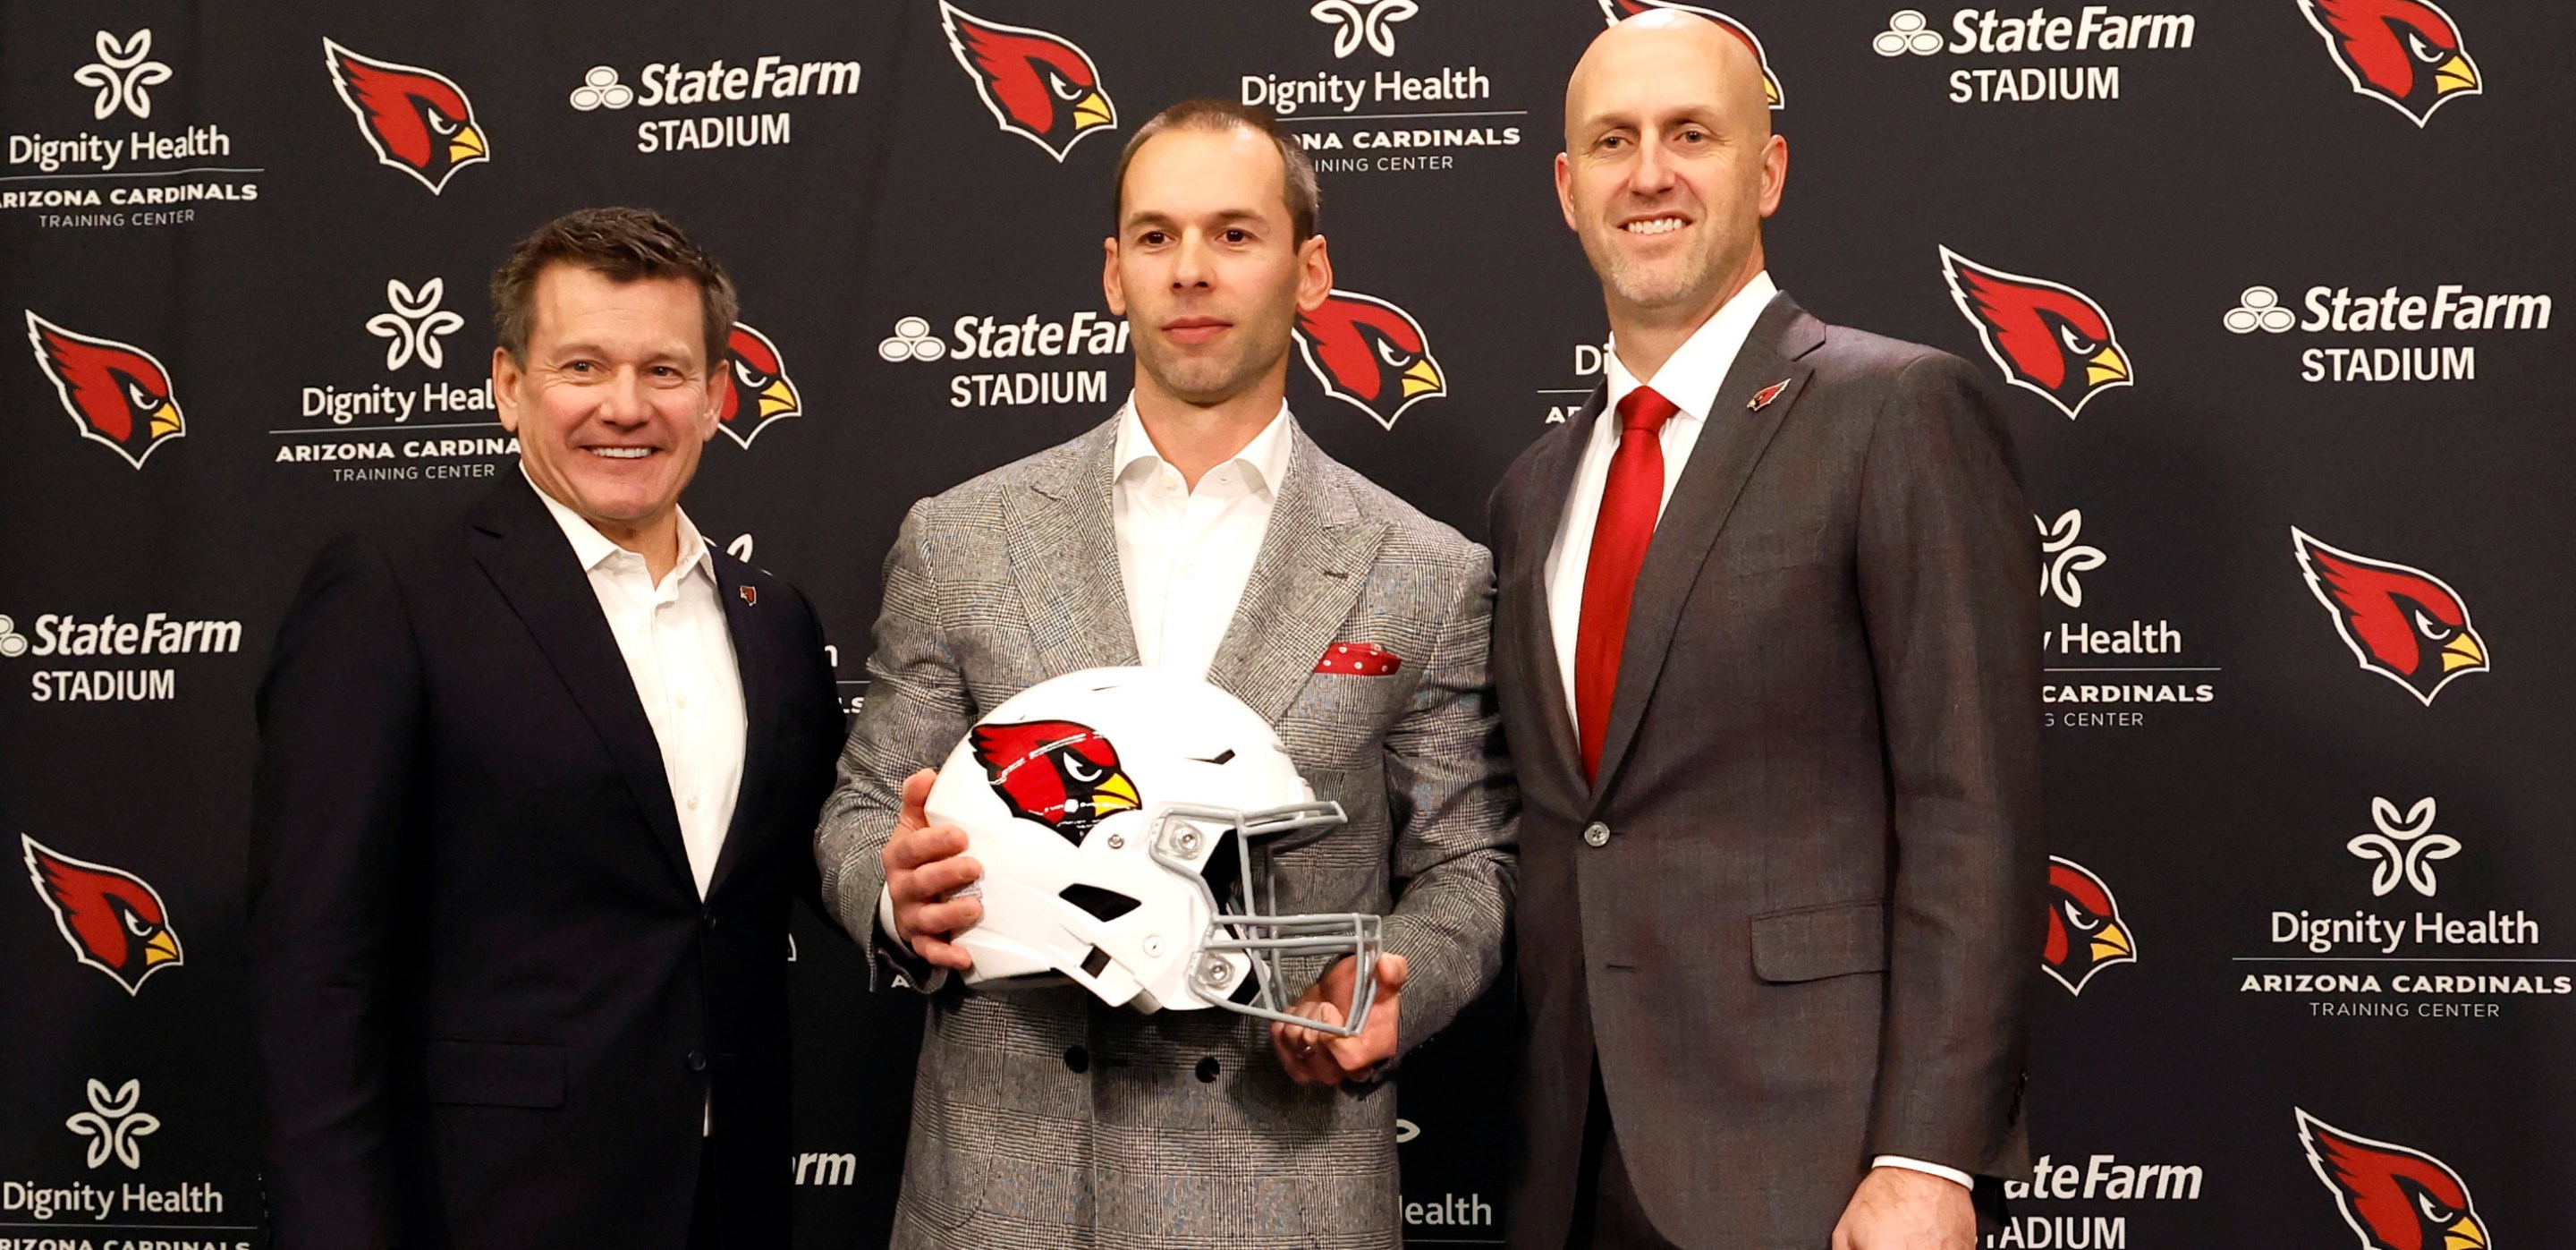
[(1455, 811), (1946, 553), (340, 731), (915, 712)]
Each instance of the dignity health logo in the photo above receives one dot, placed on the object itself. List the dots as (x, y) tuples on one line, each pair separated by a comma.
[(122, 73), (416, 325), (115, 1124)]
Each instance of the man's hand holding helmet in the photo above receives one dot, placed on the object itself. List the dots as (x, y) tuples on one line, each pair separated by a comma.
[(1317, 1058), (925, 866)]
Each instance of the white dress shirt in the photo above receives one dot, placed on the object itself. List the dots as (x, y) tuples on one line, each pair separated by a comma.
[(1690, 379), (1185, 554), (680, 655)]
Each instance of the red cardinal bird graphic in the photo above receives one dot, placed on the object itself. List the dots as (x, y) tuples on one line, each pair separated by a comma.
[(1060, 774), (2395, 1198), (1369, 354), (118, 393), (1039, 86), (2402, 623), (2048, 338), (113, 919), (1616, 11), (760, 392), (2085, 932), (417, 120), (2405, 53)]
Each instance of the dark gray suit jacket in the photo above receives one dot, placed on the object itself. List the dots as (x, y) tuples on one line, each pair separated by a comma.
[(1808, 937)]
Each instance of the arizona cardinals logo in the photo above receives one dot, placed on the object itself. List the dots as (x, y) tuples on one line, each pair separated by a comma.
[(418, 120), (2404, 624), (2048, 338), (1616, 11), (1369, 354), (2395, 1198), (1060, 774), (2405, 53), (118, 393), (2085, 933), (1039, 86), (113, 919), (760, 392)]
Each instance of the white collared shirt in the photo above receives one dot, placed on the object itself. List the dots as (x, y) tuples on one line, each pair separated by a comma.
[(680, 655), (1690, 379), (1185, 554)]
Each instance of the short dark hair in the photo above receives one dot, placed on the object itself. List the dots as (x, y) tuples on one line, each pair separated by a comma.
[(622, 245), (1305, 199)]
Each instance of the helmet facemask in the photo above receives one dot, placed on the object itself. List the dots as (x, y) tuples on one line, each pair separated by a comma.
[(1240, 965)]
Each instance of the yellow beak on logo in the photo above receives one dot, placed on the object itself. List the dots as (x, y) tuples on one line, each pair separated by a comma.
[(1092, 110), (778, 398), (2111, 943), (1116, 794), (162, 949), (467, 143), (2107, 366), (2463, 652), (2465, 1235), (166, 419), (2455, 74), (1422, 379)]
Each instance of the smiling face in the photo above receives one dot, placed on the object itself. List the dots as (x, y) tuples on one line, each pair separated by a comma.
[(1205, 267), (615, 399), (1669, 165)]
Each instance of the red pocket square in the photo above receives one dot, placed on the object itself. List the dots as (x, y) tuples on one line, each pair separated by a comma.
[(1359, 659)]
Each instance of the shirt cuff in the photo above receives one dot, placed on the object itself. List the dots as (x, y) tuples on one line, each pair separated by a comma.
[(1928, 1169), (885, 916)]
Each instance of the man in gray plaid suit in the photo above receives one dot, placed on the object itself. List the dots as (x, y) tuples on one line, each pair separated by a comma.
[(1198, 530)]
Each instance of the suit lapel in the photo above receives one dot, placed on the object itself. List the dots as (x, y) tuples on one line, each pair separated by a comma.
[(1314, 558), (1729, 447), (524, 553), (1533, 625), (755, 659), (1064, 556)]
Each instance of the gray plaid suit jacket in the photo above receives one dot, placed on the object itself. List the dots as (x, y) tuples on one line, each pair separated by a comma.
[(1042, 1119)]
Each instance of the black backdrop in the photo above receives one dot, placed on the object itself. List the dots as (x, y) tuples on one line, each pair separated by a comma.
[(2233, 749)]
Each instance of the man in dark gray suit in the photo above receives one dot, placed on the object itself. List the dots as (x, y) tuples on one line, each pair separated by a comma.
[(1198, 530), (1768, 655)]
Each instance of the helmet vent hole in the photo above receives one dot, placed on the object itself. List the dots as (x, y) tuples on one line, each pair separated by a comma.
[(1094, 963), (1104, 905)]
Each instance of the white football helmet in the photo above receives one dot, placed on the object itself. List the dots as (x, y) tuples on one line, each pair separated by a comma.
[(1124, 819)]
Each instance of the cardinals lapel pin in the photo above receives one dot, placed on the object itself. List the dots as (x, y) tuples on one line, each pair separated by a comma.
[(750, 595), (1762, 398)]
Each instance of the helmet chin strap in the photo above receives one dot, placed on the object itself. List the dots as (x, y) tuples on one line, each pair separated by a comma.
[(1266, 937)]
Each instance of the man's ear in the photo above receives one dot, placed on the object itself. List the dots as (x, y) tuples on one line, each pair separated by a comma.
[(1111, 288), (719, 385), (1314, 273), (505, 387)]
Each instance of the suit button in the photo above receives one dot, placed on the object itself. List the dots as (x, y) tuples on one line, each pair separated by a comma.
[(711, 921), (1208, 1070), (1596, 834), (697, 1061), (1077, 1059)]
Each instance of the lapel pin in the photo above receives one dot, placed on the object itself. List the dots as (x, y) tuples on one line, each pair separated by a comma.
[(1762, 398), (750, 596)]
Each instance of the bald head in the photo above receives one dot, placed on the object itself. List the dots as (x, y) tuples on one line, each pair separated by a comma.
[(1668, 170)]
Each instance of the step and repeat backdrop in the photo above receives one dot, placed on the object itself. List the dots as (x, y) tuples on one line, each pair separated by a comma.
[(2270, 285)]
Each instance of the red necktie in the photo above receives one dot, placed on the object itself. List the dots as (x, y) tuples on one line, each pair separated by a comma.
[(1629, 504)]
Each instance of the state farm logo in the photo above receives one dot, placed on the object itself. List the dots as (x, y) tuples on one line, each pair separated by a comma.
[(2392, 1197), (416, 326), (115, 1124), (61, 636), (2097, 1178), (673, 84), (1370, 354), (2093, 29), (2400, 622), (2406, 54), (761, 391), (982, 339), (417, 120), (2061, 558), (2049, 338), (113, 920), (2086, 932), (2449, 308), (124, 74), (118, 395), (1039, 86), (1614, 12), (1363, 23), (2403, 848)]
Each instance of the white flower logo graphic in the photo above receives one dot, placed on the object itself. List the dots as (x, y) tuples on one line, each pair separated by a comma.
[(121, 73), (113, 1125), (1363, 21), (415, 324), (2404, 846), (2063, 558)]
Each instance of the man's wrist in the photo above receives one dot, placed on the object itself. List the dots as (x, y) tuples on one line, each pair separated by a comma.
[(1953, 1175)]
